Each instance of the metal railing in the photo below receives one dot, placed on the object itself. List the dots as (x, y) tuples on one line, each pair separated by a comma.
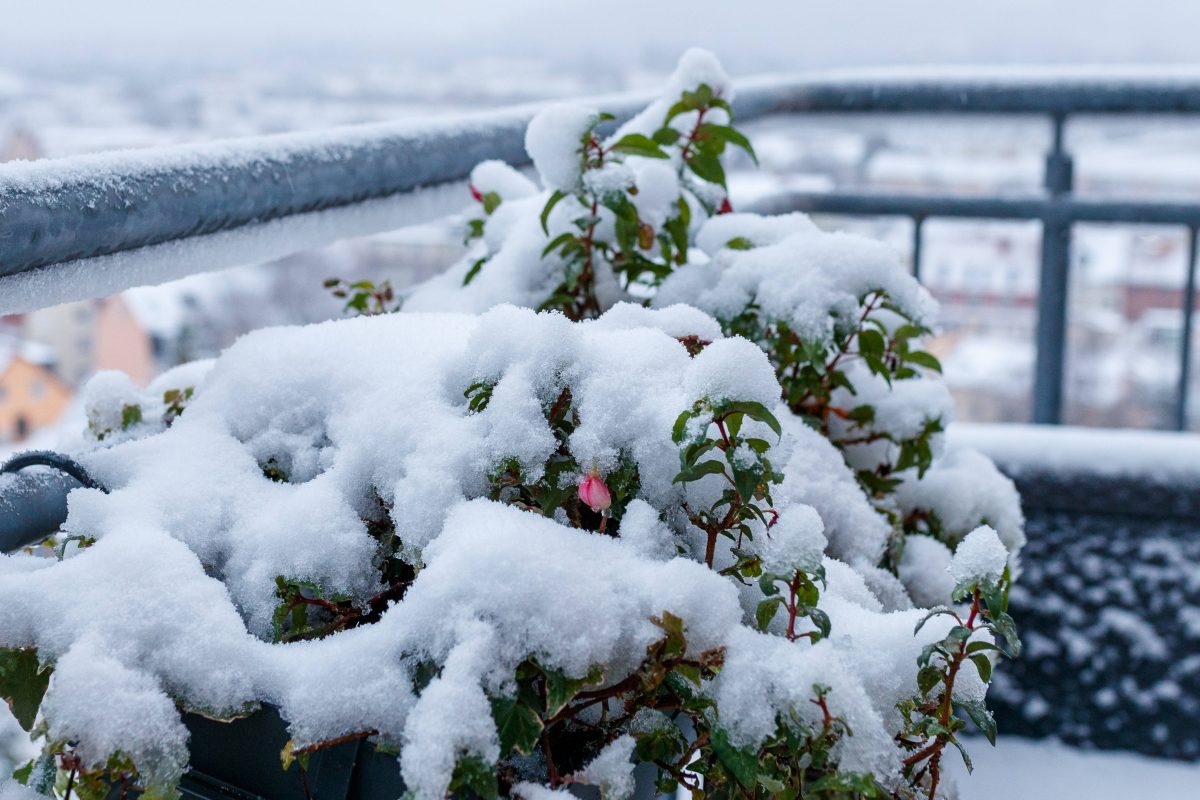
[(75, 212)]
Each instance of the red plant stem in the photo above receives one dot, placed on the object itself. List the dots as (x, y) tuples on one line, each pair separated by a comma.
[(693, 135), (350, 737), (946, 708), (791, 607), (555, 779)]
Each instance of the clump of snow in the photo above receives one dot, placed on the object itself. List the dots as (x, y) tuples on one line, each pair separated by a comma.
[(817, 475), (925, 570), (979, 558), (612, 769), (795, 543), (809, 279), (498, 177), (498, 584), (147, 729), (696, 67), (752, 229), (964, 489), (732, 369), (553, 141)]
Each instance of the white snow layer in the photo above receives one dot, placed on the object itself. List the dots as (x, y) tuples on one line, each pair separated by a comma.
[(498, 583), (368, 416)]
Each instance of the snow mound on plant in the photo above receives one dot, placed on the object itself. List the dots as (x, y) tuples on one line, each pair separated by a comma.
[(368, 416), (806, 277)]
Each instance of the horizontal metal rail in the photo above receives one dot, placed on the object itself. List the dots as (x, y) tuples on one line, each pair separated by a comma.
[(1014, 207), (64, 213), (81, 207)]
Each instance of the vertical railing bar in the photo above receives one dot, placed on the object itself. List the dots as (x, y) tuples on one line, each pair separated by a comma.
[(918, 224), (1051, 336), (1185, 349)]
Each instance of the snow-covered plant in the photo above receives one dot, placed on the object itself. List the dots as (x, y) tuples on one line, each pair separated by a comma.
[(720, 535)]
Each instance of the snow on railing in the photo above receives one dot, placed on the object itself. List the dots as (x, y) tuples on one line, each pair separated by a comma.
[(92, 225)]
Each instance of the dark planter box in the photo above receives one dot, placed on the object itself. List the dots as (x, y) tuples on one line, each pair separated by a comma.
[(241, 759)]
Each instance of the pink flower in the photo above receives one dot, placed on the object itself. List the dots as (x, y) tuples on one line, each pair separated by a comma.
[(594, 493)]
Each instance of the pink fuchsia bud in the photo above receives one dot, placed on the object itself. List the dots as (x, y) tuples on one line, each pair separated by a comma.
[(726, 207), (594, 493), (475, 193)]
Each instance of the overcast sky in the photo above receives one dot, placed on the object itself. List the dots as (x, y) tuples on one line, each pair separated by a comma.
[(748, 34)]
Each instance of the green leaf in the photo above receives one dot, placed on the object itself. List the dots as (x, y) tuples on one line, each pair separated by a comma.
[(476, 776), (933, 612), (821, 620), (23, 683), (130, 415), (870, 342), (550, 204), (698, 471), (517, 725), (756, 411), (962, 751), (1004, 625), (660, 744), (858, 782), (732, 136), (708, 167), (636, 144), (474, 270), (557, 242), (766, 611), (927, 678), (21, 774), (491, 201), (924, 359), (741, 763), (982, 719), (559, 691), (689, 671), (666, 135), (740, 243), (984, 665)]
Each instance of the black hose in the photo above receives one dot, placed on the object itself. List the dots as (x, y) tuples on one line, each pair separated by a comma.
[(33, 505), (48, 458)]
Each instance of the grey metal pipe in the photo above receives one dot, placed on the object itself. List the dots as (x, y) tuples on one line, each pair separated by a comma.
[(33, 496), (87, 206)]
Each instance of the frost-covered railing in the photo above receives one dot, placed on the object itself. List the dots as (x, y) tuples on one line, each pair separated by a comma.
[(92, 225)]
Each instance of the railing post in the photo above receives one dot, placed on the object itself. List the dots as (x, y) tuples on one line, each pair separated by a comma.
[(1185, 348), (917, 242), (1052, 290)]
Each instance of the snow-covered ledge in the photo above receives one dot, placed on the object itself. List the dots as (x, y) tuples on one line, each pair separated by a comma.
[(1157, 456), (1108, 599)]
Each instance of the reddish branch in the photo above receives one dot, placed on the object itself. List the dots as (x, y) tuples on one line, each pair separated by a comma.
[(945, 707)]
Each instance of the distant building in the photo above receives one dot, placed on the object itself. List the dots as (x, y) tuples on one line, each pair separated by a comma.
[(20, 145), (94, 335), (31, 395)]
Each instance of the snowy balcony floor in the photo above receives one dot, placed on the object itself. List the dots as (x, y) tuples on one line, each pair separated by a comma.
[(1027, 769)]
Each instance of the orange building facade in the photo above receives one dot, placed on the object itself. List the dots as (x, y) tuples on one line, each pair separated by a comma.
[(31, 397)]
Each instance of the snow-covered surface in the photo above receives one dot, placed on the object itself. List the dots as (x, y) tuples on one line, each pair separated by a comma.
[(193, 499), (105, 275), (358, 444), (1027, 769), (1154, 455)]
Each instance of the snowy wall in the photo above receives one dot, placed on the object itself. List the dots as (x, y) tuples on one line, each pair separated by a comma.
[(1109, 600)]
